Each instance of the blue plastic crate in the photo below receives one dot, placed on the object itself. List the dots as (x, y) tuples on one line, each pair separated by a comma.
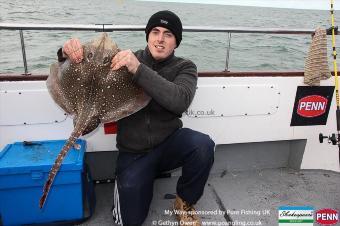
[(24, 168)]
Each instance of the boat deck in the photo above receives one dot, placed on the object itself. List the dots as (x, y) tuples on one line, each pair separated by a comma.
[(244, 197)]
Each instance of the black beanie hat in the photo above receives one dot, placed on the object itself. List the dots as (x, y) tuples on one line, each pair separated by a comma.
[(168, 20)]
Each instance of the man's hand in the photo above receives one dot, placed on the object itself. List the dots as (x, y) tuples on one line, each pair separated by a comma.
[(125, 58), (74, 50)]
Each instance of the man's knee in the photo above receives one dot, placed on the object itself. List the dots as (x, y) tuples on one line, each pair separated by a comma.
[(203, 145), (206, 150)]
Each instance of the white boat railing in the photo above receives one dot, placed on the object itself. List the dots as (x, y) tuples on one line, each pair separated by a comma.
[(111, 28)]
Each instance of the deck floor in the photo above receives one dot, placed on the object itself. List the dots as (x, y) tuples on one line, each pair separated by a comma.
[(249, 196)]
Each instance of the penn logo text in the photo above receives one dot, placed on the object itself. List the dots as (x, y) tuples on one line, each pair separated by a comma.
[(327, 216), (312, 106)]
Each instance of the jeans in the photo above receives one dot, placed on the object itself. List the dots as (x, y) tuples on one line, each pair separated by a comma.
[(136, 172)]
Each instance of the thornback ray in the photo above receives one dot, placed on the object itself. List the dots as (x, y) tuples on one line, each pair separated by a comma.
[(92, 93)]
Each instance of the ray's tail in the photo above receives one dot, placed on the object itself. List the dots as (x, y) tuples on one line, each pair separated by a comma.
[(78, 130)]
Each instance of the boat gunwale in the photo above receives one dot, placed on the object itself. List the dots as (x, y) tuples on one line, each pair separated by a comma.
[(41, 77)]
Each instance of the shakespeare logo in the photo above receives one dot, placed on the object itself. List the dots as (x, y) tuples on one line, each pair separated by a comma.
[(289, 215)]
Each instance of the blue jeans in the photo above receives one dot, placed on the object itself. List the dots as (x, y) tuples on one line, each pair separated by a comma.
[(135, 173)]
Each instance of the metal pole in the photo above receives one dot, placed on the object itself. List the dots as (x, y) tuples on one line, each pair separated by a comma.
[(23, 51), (228, 52)]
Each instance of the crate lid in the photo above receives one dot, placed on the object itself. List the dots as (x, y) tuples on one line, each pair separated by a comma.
[(21, 157)]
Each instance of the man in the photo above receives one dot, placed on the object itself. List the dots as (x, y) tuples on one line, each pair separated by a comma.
[(152, 140)]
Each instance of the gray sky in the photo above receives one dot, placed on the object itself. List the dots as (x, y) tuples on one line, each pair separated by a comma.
[(295, 4)]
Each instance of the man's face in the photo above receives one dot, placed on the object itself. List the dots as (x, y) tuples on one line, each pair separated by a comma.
[(161, 43)]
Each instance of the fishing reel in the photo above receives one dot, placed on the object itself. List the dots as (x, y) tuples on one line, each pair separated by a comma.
[(331, 139)]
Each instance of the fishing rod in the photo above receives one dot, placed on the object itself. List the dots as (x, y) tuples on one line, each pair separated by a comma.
[(335, 140)]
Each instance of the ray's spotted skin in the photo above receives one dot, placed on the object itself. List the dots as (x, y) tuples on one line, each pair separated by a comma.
[(92, 93)]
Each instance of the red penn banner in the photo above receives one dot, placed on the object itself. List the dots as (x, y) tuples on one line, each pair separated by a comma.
[(311, 106), (327, 217)]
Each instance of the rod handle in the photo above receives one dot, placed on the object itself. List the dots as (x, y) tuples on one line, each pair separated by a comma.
[(338, 119)]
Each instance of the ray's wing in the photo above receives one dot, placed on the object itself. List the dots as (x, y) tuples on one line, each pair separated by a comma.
[(120, 97), (75, 83), (55, 89)]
